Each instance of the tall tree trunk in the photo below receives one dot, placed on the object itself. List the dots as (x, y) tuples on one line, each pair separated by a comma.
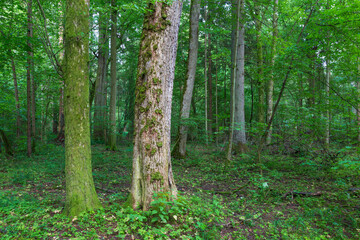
[(239, 114), (260, 74), (205, 76), (152, 171), (18, 121), (187, 98), (28, 78), (327, 90), (210, 91), (80, 190), (270, 87), (100, 107), (237, 6), (112, 133), (358, 107)]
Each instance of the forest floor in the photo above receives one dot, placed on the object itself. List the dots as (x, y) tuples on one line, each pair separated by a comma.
[(302, 197)]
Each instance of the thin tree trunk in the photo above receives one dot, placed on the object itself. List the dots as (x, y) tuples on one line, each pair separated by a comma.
[(210, 91), (259, 51), (216, 104), (100, 108), (358, 107), (28, 78), (234, 63), (205, 78), (80, 190), (152, 171), (239, 110), (180, 148), (270, 86), (112, 133), (18, 121), (327, 90)]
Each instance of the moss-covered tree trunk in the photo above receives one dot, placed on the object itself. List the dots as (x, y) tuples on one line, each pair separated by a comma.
[(180, 148), (152, 171), (80, 190)]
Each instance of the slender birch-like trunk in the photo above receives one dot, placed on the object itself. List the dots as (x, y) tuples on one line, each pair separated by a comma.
[(152, 171), (180, 147)]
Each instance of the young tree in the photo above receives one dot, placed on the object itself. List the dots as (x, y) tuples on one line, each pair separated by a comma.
[(80, 189), (152, 171), (180, 148)]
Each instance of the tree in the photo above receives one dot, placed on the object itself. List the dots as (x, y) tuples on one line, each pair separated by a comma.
[(239, 111), (100, 111), (180, 148), (112, 137), (29, 79), (270, 86), (152, 171), (80, 189)]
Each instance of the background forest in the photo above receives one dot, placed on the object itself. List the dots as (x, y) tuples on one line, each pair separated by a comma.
[(265, 120)]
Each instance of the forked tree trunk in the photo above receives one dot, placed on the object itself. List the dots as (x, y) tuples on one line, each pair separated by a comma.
[(180, 147), (112, 133), (80, 189), (152, 171)]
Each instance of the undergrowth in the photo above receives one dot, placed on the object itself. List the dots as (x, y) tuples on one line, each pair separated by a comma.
[(299, 197)]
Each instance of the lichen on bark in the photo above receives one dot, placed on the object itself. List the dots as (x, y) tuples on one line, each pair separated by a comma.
[(152, 170)]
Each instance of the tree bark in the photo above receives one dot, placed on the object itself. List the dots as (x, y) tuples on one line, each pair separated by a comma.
[(327, 90), (18, 121), (260, 77), (239, 111), (152, 171), (112, 133), (205, 77), (28, 78), (180, 148), (210, 91), (270, 87), (80, 191), (234, 63), (100, 107)]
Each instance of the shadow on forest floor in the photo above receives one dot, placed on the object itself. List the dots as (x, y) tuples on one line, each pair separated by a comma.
[(295, 198)]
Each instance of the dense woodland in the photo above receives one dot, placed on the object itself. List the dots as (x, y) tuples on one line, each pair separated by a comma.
[(176, 119)]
